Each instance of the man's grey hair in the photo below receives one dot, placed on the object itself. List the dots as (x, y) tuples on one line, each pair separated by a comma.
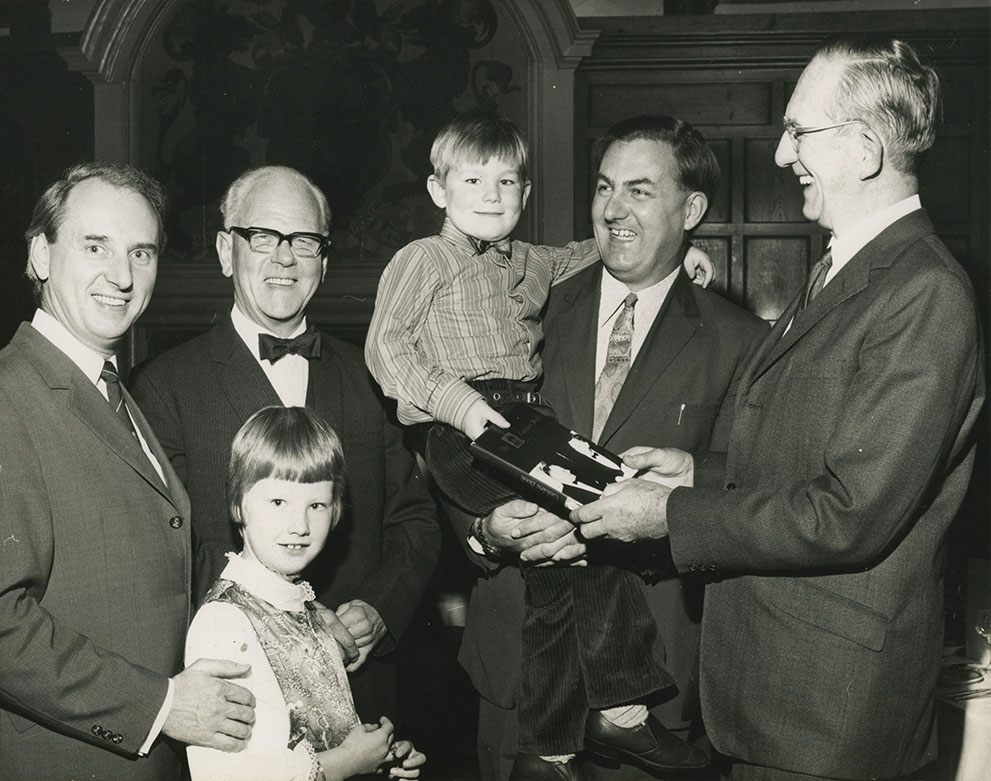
[(885, 85), (233, 201)]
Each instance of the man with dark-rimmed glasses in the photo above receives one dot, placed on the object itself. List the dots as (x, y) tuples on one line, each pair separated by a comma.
[(274, 247)]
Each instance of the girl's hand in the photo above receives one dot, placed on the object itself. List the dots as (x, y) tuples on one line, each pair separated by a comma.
[(363, 751), (406, 760)]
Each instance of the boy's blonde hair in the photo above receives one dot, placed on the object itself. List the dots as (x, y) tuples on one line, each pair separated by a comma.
[(284, 443), (477, 137)]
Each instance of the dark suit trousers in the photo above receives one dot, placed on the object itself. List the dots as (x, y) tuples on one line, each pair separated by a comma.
[(587, 644)]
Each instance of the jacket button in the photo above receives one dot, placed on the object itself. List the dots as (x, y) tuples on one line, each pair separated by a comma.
[(730, 486), (97, 730), (175, 521), (118, 738)]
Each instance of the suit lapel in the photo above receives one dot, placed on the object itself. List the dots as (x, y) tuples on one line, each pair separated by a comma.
[(852, 279), (238, 373), (174, 487), (575, 353), (87, 404), (675, 325), (325, 389)]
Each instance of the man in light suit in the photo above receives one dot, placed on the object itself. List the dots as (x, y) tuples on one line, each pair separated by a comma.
[(655, 178), (94, 558), (849, 456), (196, 396)]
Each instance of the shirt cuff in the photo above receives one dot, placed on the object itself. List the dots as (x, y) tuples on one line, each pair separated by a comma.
[(156, 727), (450, 405)]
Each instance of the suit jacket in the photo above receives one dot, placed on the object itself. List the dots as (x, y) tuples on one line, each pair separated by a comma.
[(679, 392), (94, 576), (384, 551), (848, 459)]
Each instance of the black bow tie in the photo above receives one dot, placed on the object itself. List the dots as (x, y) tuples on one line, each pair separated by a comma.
[(503, 247), (307, 344)]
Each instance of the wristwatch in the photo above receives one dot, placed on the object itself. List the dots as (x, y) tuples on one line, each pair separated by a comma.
[(480, 544)]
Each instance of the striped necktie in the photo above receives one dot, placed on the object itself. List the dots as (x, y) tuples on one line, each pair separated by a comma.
[(618, 357), (116, 397), (817, 278)]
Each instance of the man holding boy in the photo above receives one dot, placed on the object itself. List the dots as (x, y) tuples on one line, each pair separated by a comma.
[(274, 245), (849, 456), (698, 366), (95, 555)]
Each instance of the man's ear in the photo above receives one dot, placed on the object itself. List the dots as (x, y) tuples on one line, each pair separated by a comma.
[(526, 195), (40, 256), (225, 251), (696, 206), (872, 157), (436, 190)]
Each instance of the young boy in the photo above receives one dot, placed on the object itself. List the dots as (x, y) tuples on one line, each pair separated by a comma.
[(456, 328), (455, 335)]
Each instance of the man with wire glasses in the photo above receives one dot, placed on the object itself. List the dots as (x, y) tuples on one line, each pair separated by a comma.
[(274, 246), (849, 456)]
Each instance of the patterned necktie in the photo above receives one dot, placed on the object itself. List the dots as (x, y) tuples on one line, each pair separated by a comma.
[(618, 356), (274, 348), (817, 278), (116, 397), (504, 247)]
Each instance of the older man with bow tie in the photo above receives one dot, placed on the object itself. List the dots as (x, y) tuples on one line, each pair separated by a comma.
[(274, 246)]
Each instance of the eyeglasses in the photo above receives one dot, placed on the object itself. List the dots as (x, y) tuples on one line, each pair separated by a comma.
[(267, 240), (795, 132)]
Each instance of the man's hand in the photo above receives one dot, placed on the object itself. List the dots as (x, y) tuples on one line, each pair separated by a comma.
[(668, 465), (345, 641), (539, 537), (698, 267), (628, 511), (478, 414), (366, 627), (208, 710)]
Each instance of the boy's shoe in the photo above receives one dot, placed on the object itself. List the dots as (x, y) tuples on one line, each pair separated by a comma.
[(649, 746), (530, 767)]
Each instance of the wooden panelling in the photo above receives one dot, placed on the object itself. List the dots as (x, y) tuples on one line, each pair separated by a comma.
[(731, 78), (776, 267), (720, 206), (709, 102), (770, 194)]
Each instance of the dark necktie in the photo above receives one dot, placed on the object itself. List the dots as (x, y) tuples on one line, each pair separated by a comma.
[(116, 397), (618, 356), (817, 278), (503, 247), (274, 348)]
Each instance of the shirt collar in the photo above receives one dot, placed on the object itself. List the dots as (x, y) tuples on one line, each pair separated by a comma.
[(88, 360), (458, 238), (266, 584), (843, 248), (249, 330), (614, 292)]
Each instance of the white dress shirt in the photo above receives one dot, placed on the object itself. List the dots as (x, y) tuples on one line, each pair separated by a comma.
[(844, 247), (611, 297), (290, 374), (90, 363)]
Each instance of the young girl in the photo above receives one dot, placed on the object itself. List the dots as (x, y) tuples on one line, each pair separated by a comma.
[(284, 489)]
